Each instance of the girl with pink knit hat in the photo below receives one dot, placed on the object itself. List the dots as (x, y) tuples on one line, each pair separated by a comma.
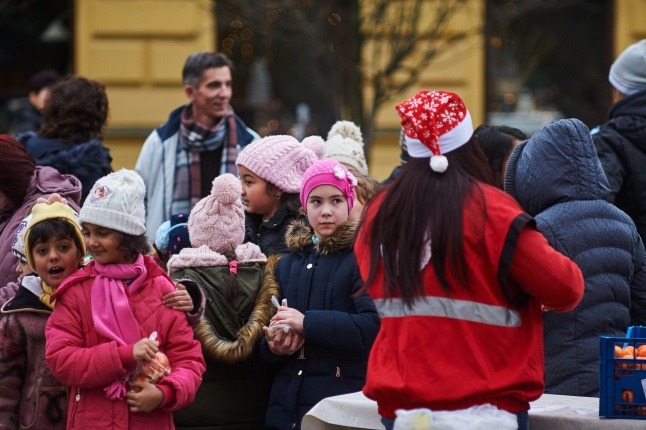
[(270, 171), (322, 334), (230, 274)]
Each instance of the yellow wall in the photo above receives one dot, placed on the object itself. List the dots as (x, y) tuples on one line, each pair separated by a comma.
[(137, 49), (629, 23), (459, 68)]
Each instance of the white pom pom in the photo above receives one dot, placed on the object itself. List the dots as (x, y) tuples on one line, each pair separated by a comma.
[(347, 130), (439, 163), (315, 144)]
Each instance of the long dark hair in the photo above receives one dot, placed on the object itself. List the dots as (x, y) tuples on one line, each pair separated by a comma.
[(496, 141), (421, 204)]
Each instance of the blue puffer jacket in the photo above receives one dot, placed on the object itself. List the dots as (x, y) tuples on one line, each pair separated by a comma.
[(338, 330), (557, 177)]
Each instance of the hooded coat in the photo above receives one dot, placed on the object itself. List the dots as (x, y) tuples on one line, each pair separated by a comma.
[(88, 161), (621, 146), (45, 181), (557, 178), (237, 380), (339, 330)]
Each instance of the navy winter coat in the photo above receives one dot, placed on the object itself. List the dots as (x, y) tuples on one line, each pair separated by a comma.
[(557, 177), (338, 330)]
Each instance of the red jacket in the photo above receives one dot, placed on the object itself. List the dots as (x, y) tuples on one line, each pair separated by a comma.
[(87, 362), (471, 347)]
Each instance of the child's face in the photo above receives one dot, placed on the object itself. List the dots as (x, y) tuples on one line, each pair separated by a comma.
[(55, 260), (255, 197), (101, 243), (327, 209), (22, 269)]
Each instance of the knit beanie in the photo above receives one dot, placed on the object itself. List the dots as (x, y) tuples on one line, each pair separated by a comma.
[(435, 123), (18, 244), (281, 160), (345, 144), (54, 208), (172, 235), (328, 172), (628, 72), (116, 201), (217, 220)]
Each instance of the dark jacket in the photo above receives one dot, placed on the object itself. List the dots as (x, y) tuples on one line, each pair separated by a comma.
[(270, 235), (557, 177), (621, 146), (339, 331), (88, 161), (235, 387), (30, 397)]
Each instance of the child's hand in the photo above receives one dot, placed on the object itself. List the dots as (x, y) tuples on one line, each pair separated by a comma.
[(179, 299), (145, 349), (284, 343), (147, 399), (290, 316)]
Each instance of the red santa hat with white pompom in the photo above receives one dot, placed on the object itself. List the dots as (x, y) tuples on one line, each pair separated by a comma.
[(435, 123)]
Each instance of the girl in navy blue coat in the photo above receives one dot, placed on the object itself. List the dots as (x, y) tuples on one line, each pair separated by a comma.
[(322, 335)]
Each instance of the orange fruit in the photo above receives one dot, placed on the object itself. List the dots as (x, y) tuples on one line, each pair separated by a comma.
[(629, 350), (641, 351), (618, 352)]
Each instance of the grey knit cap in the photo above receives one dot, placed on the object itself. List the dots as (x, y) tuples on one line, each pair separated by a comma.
[(628, 72)]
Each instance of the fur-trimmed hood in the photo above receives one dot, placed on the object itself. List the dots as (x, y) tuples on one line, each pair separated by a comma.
[(299, 237)]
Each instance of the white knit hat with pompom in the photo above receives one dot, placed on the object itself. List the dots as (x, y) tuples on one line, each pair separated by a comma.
[(345, 145)]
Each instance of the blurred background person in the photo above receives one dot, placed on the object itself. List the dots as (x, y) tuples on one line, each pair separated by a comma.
[(26, 112), (70, 139), (497, 142)]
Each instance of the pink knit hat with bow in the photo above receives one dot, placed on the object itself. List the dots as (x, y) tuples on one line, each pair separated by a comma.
[(217, 220), (281, 160), (435, 123), (328, 172)]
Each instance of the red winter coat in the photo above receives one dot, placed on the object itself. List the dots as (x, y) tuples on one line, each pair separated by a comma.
[(87, 362), (472, 347)]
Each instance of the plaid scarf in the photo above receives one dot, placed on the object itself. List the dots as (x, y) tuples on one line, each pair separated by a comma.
[(195, 139)]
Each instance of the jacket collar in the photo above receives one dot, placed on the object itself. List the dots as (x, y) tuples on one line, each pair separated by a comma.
[(299, 238)]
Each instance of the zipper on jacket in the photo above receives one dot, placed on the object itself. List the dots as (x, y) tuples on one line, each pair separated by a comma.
[(78, 394), (338, 372)]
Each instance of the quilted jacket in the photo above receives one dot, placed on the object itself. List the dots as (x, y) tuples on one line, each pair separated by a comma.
[(30, 396), (338, 330), (557, 177), (87, 362)]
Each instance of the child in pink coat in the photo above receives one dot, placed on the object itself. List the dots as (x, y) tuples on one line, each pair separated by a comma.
[(104, 315)]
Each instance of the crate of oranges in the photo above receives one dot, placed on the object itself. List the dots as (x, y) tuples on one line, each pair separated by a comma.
[(622, 388)]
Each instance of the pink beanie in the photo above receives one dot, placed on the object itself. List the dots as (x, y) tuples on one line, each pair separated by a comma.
[(328, 172), (217, 220), (281, 160)]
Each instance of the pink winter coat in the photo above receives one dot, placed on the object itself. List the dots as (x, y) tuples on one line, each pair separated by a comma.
[(87, 362)]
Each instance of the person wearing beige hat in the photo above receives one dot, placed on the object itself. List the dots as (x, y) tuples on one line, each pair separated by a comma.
[(230, 274), (345, 144)]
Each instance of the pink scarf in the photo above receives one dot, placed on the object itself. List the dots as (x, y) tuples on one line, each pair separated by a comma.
[(111, 312)]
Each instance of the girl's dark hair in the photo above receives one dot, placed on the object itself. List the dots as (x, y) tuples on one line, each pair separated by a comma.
[(425, 205), (75, 111), (17, 167), (53, 228), (496, 141), (291, 201), (131, 246)]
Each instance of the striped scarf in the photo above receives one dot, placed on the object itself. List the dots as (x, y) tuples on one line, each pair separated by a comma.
[(195, 139)]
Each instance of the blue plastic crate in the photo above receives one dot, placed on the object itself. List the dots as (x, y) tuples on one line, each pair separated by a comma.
[(621, 393)]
